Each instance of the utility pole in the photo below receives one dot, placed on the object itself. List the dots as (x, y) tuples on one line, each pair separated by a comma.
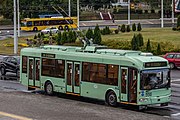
[(69, 8), (78, 14), (18, 18), (129, 12), (15, 30), (162, 14)]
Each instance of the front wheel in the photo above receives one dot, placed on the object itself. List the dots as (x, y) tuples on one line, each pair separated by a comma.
[(172, 66), (3, 71), (49, 88), (111, 99)]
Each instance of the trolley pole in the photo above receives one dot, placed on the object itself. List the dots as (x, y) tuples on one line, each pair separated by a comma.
[(162, 15), (78, 14), (15, 30)]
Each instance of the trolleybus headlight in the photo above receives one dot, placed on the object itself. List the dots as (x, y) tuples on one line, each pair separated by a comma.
[(143, 100)]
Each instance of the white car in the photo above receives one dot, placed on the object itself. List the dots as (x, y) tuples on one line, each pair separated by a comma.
[(50, 29)]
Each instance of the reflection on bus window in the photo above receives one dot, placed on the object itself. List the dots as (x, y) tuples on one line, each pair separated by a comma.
[(154, 79)]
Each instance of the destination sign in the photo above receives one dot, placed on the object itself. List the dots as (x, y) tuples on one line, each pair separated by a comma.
[(47, 55), (155, 64)]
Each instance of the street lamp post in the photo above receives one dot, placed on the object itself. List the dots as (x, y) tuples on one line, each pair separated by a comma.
[(78, 14), (129, 12), (18, 18), (69, 8), (172, 12), (15, 31), (162, 15)]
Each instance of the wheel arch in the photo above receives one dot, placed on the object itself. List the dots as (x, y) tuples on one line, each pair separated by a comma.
[(108, 90)]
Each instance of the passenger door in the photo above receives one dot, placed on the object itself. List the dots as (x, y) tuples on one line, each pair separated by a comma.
[(177, 60), (73, 77), (34, 72), (124, 84)]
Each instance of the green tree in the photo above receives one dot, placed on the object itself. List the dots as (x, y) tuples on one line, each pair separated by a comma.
[(89, 34), (135, 43), (148, 46), (134, 27), (64, 37), (58, 38), (140, 40), (70, 36), (128, 29), (97, 35), (123, 28), (178, 21), (139, 27), (158, 51)]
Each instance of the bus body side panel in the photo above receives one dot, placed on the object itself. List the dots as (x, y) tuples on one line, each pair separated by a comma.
[(97, 91), (58, 83)]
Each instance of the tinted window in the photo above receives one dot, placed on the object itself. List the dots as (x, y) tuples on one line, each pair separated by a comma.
[(100, 73), (177, 56), (24, 64), (170, 56), (53, 68)]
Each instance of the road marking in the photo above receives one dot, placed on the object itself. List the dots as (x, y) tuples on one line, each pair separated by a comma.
[(84, 24), (177, 114), (149, 22), (14, 116), (177, 80), (176, 85)]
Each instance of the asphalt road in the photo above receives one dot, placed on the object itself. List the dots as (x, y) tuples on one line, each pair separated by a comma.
[(17, 101), (7, 31)]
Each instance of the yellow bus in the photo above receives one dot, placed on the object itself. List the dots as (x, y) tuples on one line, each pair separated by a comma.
[(36, 24)]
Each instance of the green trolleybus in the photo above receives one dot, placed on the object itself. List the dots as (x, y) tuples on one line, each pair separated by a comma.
[(115, 76)]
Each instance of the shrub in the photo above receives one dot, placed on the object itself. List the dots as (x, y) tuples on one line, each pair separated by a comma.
[(146, 11), (178, 21), (152, 11), (134, 27), (174, 28), (97, 35), (158, 50), (139, 27), (123, 28), (140, 40), (116, 31), (128, 29), (135, 43), (70, 36), (89, 34), (58, 38), (148, 46), (35, 36), (64, 37)]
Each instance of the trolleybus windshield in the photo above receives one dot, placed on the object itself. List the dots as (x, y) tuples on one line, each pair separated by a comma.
[(155, 79)]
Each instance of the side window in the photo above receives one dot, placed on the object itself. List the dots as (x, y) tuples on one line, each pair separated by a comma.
[(100, 73), (170, 56), (53, 68), (8, 59), (60, 68), (29, 23), (177, 56), (24, 64)]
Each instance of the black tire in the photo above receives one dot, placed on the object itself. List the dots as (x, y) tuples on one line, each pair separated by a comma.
[(172, 66), (35, 29), (60, 28), (66, 28), (49, 88), (3, 71), (111, 99)]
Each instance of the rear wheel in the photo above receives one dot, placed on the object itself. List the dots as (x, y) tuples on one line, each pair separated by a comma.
[(172, 66), (35, 29), (60, 28), (49, 88), (3, 71), (66, 27), (111, 99)]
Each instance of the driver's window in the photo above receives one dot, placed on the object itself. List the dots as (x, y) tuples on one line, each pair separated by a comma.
[(13, 60)]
